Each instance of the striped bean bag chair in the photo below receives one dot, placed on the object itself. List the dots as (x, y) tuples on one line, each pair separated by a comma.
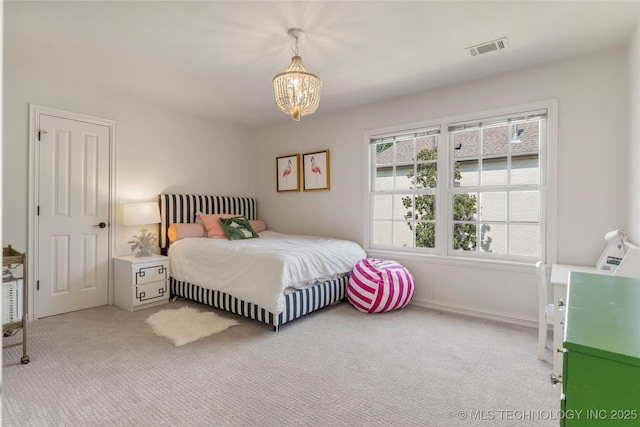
[(378, 285)]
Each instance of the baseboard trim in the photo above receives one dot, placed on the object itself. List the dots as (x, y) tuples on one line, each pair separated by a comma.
[(474, 312)]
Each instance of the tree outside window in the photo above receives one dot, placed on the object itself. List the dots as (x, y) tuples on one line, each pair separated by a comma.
[(464, 209)]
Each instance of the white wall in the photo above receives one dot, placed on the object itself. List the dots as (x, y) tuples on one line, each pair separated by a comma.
[(156, 150), (634, 139), (160, 150), (592, 148)]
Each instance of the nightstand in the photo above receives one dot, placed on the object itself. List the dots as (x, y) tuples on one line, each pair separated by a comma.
[(141, 282)]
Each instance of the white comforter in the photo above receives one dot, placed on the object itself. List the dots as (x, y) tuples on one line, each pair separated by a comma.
[(261, 270)]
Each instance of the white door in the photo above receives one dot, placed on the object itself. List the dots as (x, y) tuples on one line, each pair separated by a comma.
[(72, 269)]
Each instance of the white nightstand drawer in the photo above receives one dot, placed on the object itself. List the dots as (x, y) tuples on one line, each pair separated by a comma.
[(141, 282), (150, 292), (150, 272)]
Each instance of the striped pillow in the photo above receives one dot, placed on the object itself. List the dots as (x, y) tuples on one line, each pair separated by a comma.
[(378, 285)]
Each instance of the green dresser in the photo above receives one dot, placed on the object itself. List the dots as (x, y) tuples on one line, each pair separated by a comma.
[(601, 371)]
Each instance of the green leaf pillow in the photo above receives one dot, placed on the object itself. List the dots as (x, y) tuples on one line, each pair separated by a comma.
[(237, 228)]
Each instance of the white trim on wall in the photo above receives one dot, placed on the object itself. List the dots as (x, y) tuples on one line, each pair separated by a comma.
[(474, 312), (551, 185)]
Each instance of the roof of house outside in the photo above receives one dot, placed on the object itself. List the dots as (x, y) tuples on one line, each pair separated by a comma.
[(495, 143)]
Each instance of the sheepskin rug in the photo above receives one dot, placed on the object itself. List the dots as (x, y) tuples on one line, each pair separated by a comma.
[(186, 324)]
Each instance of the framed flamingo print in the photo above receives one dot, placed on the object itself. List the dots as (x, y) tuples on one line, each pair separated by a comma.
[(315, 170), (288, 170)]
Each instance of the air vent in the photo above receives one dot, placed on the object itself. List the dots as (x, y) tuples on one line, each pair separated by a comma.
[(488, 47)]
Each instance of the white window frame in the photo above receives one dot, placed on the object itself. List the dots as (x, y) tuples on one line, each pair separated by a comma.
[(432, 191), (548, 185)]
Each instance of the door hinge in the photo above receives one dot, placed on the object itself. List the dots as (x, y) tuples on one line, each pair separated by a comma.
[(40, 131), (38, 213), (38, 285)]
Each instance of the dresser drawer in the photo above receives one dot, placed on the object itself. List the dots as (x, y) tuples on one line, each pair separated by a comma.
[(150, 292), (150, 272)]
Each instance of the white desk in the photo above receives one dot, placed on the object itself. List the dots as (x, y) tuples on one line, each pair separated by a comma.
[(560, 280)]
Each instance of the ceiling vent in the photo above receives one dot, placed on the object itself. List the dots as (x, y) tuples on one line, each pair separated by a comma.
[(488, 47)]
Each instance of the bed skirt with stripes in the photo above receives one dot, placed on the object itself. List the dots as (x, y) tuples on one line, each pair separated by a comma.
[(297, 304)]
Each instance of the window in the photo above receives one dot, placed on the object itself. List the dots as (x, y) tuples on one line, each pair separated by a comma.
[(471, 188), (405, 181)]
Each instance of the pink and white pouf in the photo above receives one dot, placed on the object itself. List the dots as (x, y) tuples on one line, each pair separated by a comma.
[(378, 285)]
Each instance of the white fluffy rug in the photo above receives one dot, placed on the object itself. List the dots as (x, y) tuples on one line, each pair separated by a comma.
[(187, 324)]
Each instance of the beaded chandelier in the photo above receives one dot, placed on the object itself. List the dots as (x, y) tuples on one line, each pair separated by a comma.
[(296, 90)]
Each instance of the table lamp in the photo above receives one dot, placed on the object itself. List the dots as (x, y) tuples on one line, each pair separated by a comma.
[(141, 214), (614, 252)]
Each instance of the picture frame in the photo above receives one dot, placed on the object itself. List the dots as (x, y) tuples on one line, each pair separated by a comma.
[(288, 173), (316, 171)]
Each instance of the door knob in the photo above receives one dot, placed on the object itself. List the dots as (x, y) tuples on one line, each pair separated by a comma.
[(101, 225)]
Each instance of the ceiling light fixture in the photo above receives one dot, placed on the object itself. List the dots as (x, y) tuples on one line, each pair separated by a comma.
[(297, 91)]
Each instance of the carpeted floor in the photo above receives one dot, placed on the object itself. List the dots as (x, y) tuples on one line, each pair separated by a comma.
[(336, 367)]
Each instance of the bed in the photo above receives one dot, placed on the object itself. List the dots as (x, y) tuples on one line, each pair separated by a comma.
[(192, 280)]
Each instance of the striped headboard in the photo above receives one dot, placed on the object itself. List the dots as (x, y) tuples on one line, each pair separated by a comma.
[(179, 208)]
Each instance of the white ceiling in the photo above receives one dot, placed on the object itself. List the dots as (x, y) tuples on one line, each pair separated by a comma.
[(217, 58)]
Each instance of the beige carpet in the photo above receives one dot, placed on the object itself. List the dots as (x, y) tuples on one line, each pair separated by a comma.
[(336, 367)]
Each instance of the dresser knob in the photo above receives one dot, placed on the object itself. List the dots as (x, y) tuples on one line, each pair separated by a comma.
[(555, 378)]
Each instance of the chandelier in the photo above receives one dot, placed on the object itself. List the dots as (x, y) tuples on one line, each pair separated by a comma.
[(297, 91)]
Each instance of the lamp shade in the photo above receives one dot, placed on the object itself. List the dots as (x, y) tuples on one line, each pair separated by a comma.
[(140, 213)]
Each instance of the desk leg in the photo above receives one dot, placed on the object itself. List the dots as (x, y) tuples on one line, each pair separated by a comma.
[(559, 300)]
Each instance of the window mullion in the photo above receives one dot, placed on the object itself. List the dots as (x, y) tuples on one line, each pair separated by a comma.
[(507, 233), (443, 195)]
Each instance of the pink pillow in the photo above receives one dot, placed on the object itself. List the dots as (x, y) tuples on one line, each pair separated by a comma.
[(258, 225), (180, 231), (211, 223)]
